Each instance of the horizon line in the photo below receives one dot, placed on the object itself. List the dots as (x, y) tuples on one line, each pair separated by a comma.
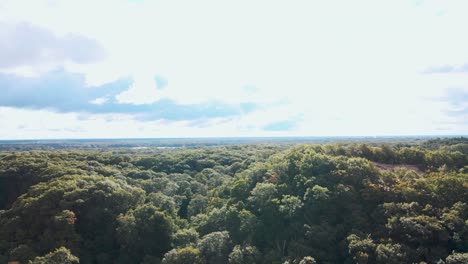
[(244, 137)]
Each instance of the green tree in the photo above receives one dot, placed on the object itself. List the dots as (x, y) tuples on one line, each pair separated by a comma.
[(144, 231), (244, 255), (185, 237), (215, 247), (197, 205), (308, 260), (59, 256), (186, 255), (240, 190), (457, 258)]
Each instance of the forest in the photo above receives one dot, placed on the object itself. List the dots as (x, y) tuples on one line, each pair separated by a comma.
[(266, 203)]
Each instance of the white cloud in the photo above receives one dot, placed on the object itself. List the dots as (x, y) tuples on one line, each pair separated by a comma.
[(26, 48), (143, 91), (99, 101)]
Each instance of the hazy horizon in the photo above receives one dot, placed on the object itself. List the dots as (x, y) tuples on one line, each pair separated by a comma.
[(247, 138), (205, 69)]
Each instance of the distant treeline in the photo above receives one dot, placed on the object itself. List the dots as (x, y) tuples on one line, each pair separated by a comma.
[(86, 144), (242, 204)]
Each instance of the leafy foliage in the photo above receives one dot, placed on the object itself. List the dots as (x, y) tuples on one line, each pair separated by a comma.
[(331, 203), (59, 256)]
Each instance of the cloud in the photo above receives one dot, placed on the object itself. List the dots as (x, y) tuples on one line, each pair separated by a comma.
[(344, 74), (456, 96), (142, 91), (287, 125), (457, 101), (283, 122), (65, 92), (161, 82), (447, 69), (19, 123), (24, 44), (58, 90), (100, 100)]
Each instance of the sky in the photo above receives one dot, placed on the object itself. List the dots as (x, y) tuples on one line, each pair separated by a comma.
[(216, 68)]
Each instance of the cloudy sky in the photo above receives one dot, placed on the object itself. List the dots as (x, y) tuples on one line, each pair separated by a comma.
[(136, 68)]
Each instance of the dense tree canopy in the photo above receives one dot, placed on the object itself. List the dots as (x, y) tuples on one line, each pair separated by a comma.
[(329, 203)]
